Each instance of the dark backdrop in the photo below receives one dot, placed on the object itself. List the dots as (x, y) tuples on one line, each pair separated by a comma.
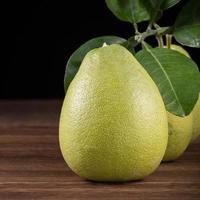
[(39, 37)]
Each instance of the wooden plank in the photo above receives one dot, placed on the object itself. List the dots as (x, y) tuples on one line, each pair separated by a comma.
[(32, 167)]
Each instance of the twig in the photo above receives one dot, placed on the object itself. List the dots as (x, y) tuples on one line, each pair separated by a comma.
[(168, 40)]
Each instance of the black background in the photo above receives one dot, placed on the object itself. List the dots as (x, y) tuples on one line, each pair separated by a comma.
[(39, 37)]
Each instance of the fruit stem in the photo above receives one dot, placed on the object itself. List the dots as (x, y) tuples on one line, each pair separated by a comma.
[(136, 28), (168, 40), (158, 32), (159, 39), (142, 36), (156, 26), (159, 35)]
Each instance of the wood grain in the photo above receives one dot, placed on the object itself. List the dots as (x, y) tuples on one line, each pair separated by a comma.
[(31, 165)]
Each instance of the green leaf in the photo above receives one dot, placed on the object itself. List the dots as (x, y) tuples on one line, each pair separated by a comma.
[(187, 25), (130, 44), (163, 4), (177, 78), (76, 58), (133, 11), (169, 3), (156, 7)]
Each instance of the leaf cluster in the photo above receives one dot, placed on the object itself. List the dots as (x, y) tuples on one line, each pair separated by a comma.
[(177, 76)]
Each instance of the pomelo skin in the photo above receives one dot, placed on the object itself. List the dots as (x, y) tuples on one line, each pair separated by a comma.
[(180, 133), (179, 49), (113, 123), (196, 121)]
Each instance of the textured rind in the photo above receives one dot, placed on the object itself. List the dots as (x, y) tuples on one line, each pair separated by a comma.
[(196, 121), (113, 124), (180, 133)]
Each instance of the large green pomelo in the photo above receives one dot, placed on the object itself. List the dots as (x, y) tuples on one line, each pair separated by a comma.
[(113, 124)]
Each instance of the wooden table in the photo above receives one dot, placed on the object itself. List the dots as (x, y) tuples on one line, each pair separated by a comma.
[(31, 165)]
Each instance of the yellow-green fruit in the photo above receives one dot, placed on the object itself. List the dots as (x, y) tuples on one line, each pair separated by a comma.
[(180, 133), (179, 49), (196, 121), (196, 110), (180, 128), (113, 124)]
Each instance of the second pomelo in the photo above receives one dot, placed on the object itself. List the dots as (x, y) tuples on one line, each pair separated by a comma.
[(180, 133), (196, 110), (113, 124), (196, 121), (179, 49), (180, 128)]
